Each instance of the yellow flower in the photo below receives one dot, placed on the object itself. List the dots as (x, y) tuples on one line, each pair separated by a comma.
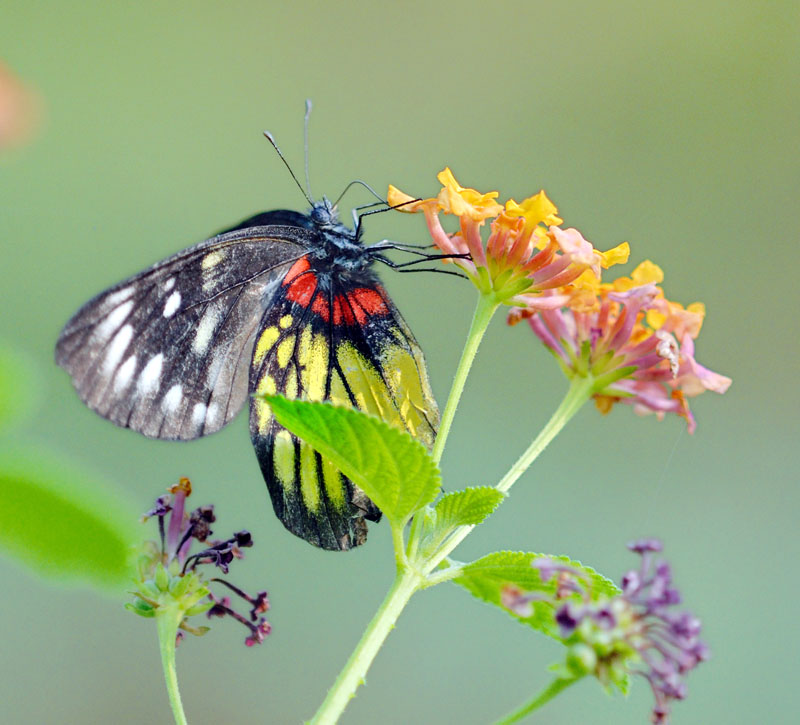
[(455, 199), (527, 260), (535, 210)]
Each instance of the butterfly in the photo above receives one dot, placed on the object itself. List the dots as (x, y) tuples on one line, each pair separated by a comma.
[(283, 302)]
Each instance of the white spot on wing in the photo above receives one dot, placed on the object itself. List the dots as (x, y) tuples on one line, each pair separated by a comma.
[(124, 374), (172, 399), (214, 369), (205, 330), (150, 377), (119, 296), (114, 320), (117, 349), (199, 414), (169, 284), (212, 414), (172, 304)]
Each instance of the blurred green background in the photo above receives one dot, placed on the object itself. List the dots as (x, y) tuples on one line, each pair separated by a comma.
[(673, 126)]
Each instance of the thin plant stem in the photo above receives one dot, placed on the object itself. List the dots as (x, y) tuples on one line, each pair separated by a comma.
[(580, 390), (484, 310), (168, 621), (352, 676), (543, 697)]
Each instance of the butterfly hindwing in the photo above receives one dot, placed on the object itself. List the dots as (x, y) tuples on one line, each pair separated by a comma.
[(324, 338), (167, 351)]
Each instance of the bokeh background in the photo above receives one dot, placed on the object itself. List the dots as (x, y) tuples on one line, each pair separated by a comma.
[(673, 126)]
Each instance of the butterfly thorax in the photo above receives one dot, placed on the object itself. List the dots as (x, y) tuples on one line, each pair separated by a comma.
[(336, 252)]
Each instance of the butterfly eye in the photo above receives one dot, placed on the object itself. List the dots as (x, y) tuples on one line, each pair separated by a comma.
[(320, 215)]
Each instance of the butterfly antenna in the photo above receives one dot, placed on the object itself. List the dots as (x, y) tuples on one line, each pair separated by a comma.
[(305, 144), (366, 186), (270, 138)]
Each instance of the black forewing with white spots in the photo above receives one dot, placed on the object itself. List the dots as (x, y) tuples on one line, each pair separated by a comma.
[(167, 352)]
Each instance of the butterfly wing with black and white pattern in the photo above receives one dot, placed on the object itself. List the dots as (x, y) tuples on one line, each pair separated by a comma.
[(167, 352)]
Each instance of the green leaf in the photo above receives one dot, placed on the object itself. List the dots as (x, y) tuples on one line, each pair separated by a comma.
[(17, 387), (467, 507), (393, 469), (458, 508), (487, 577), (61, 523)]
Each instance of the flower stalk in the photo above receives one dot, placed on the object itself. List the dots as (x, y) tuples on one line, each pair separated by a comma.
[(580, 391), (167, 620), (486, 307), (352, 676)]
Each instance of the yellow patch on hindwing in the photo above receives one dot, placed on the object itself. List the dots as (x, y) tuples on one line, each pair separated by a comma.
[(367, 385), (334, 485), (265, 342), (266, 386), (309, 481), (286, 321), (290, 384), (283, 452), (405, 373), (312, 354), (285, 350)]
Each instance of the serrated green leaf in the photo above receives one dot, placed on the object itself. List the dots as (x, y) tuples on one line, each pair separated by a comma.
[(486, 578), (458, 508), (61, 523), (393, 469), (467, 507)]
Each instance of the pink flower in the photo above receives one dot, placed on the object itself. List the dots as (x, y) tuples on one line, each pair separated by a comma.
[(627, 341)]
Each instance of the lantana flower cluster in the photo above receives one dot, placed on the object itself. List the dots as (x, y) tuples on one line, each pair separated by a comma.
[(171, 580), (637, 632), (635, 344)]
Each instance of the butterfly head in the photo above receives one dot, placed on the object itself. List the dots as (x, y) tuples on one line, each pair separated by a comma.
[(323, 214)]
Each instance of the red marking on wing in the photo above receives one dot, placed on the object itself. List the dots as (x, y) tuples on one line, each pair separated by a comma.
[(300, 266), (365, 303), (321, 307), (302, 283), (355, 307), (342, 312)]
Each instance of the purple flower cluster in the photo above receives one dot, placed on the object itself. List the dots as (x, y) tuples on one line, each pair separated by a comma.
[(635, 632), (669, 645), (177, 531)]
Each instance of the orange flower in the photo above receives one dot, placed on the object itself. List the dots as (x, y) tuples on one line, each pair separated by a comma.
[(527, 260)]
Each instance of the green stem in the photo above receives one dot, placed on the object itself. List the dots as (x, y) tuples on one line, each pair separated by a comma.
[(352, 676), (580, 390), (168, 620), (484, 310), (549, 692)]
